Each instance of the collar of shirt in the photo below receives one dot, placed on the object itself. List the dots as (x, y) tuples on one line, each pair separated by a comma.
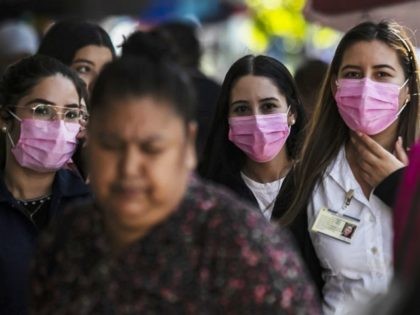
[(342, 174)]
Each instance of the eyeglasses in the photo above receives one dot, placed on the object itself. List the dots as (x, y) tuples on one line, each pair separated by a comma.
[(51, 112)]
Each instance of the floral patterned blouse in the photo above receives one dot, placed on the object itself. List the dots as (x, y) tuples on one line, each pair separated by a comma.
[(213, 255)]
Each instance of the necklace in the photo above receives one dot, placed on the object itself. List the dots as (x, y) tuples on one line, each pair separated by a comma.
[(33, 206), (263, 192)]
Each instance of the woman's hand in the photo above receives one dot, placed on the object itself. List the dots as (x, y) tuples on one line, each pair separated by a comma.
[(374, 161)]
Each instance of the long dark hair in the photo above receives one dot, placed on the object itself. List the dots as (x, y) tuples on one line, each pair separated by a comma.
[(66, 37), (327, 130), (222, 154)]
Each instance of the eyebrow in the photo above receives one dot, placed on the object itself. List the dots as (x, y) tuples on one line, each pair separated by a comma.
[(83, 60), (43, 101), (266, 99), (269, 99), (347, 67), (115, 137)]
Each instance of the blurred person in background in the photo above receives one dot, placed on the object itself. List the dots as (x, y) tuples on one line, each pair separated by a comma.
[(86, 48), (40, 111), (157, 239), (151, 43), (403, 297), (183, 36), (309, 77), (83, 46), (17, 40), (371, 92), (257, 131), (407, 220)]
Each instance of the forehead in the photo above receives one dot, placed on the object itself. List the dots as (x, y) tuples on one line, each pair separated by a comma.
[(137, 117), (94, 53), (56, 89), (370, 53), (251, 85)]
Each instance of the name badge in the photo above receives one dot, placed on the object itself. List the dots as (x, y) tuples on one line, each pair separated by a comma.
[(332, 224)]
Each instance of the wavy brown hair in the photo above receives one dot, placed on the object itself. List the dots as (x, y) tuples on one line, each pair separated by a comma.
[(327, 130)]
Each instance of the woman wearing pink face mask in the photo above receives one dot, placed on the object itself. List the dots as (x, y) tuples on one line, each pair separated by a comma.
[(40, 111), (367, 112), (256, 132)]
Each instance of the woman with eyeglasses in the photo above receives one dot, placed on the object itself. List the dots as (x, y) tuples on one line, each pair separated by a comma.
[(40, 112)]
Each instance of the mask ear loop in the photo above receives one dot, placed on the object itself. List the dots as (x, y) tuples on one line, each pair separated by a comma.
[(15, 116), (405, 82), (406, 102), (7, 131), (287, 114)]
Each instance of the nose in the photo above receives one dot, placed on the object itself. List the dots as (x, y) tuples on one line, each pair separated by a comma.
[(131, 162), (255, 110)]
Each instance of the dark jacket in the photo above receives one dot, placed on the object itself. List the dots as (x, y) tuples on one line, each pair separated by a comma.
[(300, 231), (207, 91), (234, 182), (388, 188), (18, 235)]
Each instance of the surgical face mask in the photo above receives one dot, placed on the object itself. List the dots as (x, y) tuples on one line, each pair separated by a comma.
[(44, 145), (366, 105), (260, 137)]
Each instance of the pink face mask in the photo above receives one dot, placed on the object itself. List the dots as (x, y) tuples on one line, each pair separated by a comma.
[(260, 137), (44, 145), (366, 105)]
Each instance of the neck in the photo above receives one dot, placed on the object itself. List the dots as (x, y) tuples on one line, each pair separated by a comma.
[(268, 171), (120, 238), (24, 183)]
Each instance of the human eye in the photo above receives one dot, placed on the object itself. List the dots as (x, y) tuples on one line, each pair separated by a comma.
[(383, 74), (240, 109), (83, 69), (269, 107), (72, 114), (152, 148), (109, 143), (43, 111), (351, 75)]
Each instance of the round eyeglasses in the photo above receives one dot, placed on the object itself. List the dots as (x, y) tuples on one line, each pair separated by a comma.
[(51, 112)]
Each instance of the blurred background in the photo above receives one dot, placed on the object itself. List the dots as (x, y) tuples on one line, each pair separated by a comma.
[(291, 30)]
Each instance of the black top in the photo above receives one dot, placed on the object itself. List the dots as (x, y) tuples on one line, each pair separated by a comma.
[(388, 188), (300, 230), (18, 233), (207, 91)]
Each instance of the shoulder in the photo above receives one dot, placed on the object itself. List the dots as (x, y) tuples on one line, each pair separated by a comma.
[(220, 200), (69, 184), (77, 219)]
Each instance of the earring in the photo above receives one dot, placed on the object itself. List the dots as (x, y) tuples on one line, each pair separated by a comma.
[(4, 129), (293, 122)]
